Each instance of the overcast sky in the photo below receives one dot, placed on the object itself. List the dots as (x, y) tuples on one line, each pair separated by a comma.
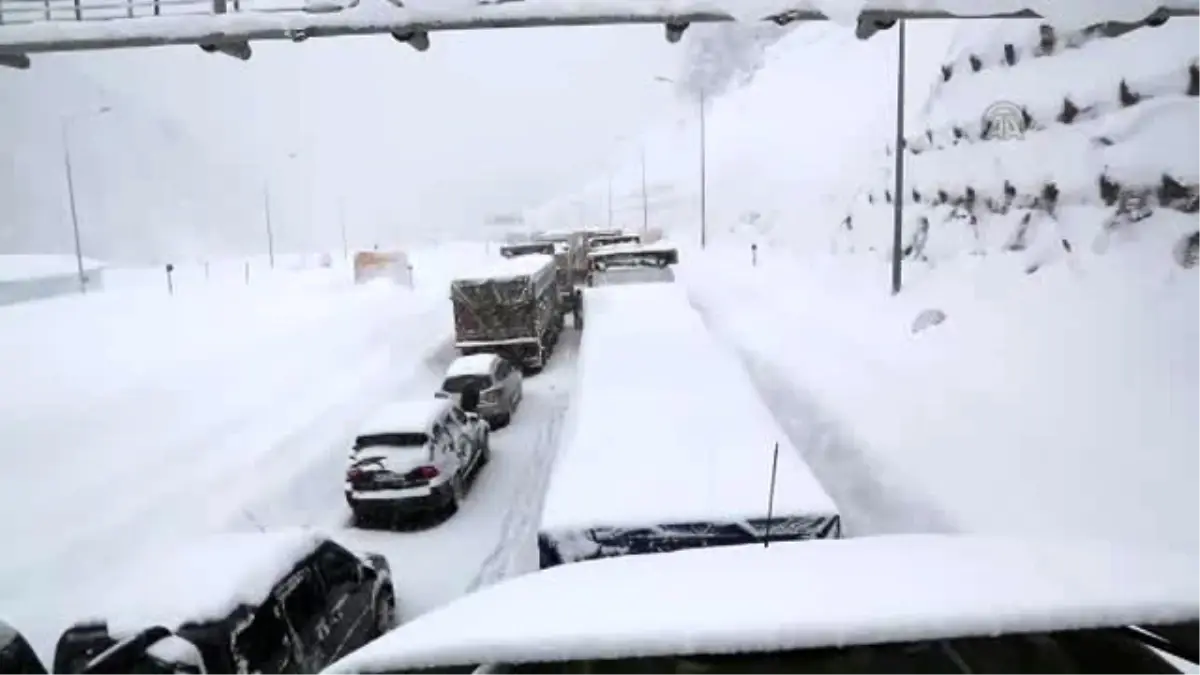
[(484, 121)]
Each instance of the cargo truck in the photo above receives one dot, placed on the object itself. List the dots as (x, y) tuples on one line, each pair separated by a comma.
[(512, 309)]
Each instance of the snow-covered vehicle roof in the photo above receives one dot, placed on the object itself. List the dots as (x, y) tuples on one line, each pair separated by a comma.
[(794, 595), (415, 416), (502, 269), (472, 364), (200, 580), (667, 418)]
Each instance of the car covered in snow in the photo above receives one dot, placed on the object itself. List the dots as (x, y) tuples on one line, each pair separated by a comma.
[(415, 457), (499, 383), (281, 601), (672, 446), (16, 656), (886, 604), (630, 263)]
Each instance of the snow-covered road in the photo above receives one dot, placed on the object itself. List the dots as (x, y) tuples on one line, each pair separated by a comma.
[(131, 418)]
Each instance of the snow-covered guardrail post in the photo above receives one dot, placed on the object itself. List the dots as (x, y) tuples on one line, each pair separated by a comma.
[(754, 255), (247, 272), (170, 282)]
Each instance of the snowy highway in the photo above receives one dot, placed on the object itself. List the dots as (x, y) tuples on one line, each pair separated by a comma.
[(232, 408)]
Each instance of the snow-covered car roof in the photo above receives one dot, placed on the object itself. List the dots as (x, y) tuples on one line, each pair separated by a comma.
[(510, 268), (795, 595), (670, 420), (199, 580), (472, 364), (415, 416)]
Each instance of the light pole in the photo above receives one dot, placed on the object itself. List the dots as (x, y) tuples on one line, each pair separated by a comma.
[(703, 161), (270, 232), (342, 224), (66, 144), (898, 169), (645, 200), (610, 200)]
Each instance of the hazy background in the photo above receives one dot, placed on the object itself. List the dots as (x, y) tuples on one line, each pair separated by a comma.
[(413, 144)]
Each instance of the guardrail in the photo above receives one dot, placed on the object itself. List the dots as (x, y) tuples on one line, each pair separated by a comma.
[(15, 12)]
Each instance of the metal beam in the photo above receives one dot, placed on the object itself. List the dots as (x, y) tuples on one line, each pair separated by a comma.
[(246, 26)]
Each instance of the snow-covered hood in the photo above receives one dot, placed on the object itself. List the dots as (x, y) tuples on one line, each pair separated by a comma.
[(795, 595)]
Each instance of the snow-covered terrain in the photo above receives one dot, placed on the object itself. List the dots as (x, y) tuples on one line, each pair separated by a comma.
[(143, 418), (1060, 393)]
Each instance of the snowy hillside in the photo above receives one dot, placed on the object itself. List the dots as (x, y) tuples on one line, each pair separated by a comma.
[(144, 187), (1060, 391)]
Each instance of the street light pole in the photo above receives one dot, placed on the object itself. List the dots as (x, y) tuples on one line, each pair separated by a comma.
[(703, 174), (610, 210), (66, 144), (898, 168), (342, 224), (645, 200), (270, 233)]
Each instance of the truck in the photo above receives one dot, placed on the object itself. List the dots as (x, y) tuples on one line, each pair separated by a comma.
[(565, 272), (513, 309)]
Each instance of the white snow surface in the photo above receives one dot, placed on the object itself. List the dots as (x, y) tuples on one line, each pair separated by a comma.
[(416, 415), (510, 268), (198, 580), (472, 364), (668, 419), (794, 595), (136, 421)]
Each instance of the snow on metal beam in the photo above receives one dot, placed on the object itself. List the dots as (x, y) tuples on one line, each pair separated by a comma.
[(321, 20)]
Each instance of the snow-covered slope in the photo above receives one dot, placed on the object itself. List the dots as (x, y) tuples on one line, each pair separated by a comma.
[(1060, 392), (144, 187)]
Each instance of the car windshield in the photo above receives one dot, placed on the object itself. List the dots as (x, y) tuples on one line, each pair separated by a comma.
[(1063, 652), (457, 384), (405, 439)]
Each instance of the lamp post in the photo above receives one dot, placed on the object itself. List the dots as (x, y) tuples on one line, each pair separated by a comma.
[(66, 144), (898, 168), (703, 161)]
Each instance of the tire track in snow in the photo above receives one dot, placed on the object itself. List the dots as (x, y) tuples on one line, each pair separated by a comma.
[(868, 505)]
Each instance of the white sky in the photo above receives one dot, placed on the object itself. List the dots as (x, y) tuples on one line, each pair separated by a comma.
[(482, 122)]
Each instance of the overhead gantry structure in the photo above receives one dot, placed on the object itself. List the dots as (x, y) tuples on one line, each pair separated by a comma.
[(229, 26)]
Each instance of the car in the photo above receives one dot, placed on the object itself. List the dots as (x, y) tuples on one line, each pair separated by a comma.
[(906, 603), (500, 384), (289, 600), (16, 656), (415, 457)]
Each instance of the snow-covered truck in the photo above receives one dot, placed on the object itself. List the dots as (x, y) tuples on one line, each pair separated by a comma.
[(564, 272), (671, 448), (512, 308)]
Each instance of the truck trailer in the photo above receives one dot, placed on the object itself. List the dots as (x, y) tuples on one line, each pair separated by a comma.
[(512, 309)]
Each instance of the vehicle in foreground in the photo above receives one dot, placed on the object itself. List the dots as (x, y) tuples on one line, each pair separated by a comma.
[(672, 448), (413, 458), (255, 602), (16, 655), (631, 264), (886, 604), (512, 309), (500, 386)]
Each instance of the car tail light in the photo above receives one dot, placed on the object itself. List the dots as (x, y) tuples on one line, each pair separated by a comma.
[(424, 473), (355, 474)]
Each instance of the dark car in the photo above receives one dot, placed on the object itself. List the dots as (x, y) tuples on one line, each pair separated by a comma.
[(16, 656), (291, 601)]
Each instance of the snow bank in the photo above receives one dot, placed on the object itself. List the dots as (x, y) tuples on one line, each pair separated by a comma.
[(137, 419), (20, 267), (1061, 402)]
